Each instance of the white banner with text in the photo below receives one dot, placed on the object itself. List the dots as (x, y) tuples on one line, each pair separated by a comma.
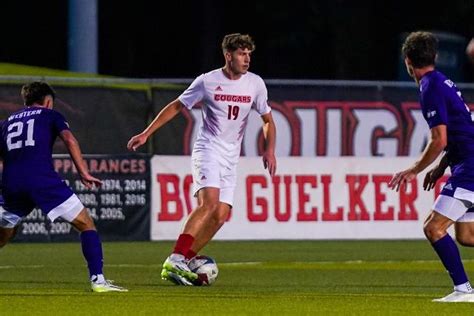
[(309, 198)]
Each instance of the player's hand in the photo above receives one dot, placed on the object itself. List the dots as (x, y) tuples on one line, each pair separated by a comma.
[(431, 177), (269, 162), (401, 179), (136, 141), (90, 181)]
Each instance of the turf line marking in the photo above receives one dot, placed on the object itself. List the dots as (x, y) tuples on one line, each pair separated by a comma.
[(22, 266), (349, 262)]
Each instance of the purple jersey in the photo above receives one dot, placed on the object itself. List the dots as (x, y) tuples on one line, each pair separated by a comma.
[(442, 103), (29, 178)]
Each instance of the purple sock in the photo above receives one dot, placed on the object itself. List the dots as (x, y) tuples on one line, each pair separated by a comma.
[(92, 250), (449, 254)]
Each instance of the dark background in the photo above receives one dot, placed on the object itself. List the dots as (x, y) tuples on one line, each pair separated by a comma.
[(327, 39)]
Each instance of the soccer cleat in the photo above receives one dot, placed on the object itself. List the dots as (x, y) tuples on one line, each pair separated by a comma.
[(174, 278), (106, 286), (456, 296), (177, 264)]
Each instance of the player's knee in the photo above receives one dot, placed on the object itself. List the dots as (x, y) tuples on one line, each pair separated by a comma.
[(220, 219), (87, 225), (211, 206), (433, 232), (83, 223)]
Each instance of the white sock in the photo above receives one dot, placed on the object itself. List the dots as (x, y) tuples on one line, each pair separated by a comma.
[(465, 288), (177, 257), (99, 278)]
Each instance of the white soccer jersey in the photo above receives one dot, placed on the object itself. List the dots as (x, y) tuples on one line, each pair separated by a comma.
[(225, 109)]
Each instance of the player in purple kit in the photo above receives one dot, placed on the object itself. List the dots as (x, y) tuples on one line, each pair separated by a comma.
[(452, 130), (29, 178)]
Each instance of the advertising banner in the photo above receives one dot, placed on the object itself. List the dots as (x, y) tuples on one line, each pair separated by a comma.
[(309, 198), (120, 207)]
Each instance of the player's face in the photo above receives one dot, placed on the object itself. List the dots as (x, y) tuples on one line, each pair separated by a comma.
[(239, 60)]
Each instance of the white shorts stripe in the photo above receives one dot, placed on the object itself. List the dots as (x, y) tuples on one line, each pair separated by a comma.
[(466, 218), (452, 208), (68, 210)]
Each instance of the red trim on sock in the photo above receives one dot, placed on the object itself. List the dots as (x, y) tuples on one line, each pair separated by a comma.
[(183, 244), (190, 254)]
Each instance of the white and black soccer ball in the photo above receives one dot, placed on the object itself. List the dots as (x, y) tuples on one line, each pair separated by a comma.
[(206, 268)]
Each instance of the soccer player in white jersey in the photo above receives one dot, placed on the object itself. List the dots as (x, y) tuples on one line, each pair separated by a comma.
[(227, 95)]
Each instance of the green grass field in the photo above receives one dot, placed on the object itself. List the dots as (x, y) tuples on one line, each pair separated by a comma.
[(274, 277)]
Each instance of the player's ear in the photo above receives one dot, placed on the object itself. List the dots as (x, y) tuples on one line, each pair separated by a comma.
[(409, 67), (407, 61), (227, 55), (48, 102)]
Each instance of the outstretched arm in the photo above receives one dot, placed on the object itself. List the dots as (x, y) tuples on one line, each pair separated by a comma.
[(166, 114), (269, 133), (436, 145), (76, 155)]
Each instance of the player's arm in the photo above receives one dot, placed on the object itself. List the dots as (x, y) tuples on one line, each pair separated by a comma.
[(165, 115), (72, 146), (269, 133), (436, 145)]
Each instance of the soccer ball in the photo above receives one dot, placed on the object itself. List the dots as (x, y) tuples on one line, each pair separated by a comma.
[(206, 268)]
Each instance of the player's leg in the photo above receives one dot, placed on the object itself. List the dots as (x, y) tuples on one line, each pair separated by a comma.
[(199, 218), (18, 207), (91, 249), (6, 234), (204, 212), (435, 229), (73, 211), (446, 211), (68, 206), (90, 242), (9, 223), (228, 179), (464, 228), (205, 235), (206, 178)]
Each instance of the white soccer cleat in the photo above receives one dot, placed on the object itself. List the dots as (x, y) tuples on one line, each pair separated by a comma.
[(177, 265), (456, 296), (106, 286)]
